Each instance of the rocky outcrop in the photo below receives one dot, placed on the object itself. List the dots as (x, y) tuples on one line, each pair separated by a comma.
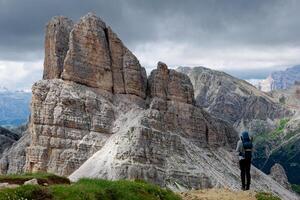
[(76, 115), (170, 85), (13, 159), (278, 174), (70, 122), (88, 59), (56, 46), (234, 100), (82, 123), (97, 58)]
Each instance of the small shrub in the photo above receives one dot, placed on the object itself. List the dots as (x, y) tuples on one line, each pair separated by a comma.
[(296, 188), (26, 192), (266, 196)]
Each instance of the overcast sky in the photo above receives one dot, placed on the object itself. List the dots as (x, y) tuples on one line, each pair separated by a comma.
[(248, 38)]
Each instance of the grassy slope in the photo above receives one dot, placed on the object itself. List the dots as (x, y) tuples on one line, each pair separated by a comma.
[(50, 179), (265, 196), (95, 189), (296, 188), (287, 155), (89, 189)]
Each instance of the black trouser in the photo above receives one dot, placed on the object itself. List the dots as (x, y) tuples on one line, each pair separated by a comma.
[(245, 166)]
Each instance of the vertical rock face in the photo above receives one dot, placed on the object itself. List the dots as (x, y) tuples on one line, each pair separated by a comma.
[(56, 46), (128, 75), (278, 174), (69, 122), (170, 85), (90, 53), (88, 59), (135, 77), (117, 53)]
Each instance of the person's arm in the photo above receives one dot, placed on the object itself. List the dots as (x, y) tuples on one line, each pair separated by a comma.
[(238, 146)]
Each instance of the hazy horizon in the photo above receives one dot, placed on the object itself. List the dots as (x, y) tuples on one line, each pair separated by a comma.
[(247, 39)]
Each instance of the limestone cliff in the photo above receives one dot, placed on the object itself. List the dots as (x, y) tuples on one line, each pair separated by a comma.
[(91, 81), (98, 115)]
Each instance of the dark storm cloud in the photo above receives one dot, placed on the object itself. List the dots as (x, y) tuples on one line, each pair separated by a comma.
[(204, 23)]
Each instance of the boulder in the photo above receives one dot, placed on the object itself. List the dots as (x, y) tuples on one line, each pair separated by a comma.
[(31, 182), (7, 185), (278, 174)]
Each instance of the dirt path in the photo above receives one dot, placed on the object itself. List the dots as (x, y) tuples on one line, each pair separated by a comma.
[(218, 194)]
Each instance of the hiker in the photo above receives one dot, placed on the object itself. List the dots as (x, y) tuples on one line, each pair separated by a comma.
[(244, 148)]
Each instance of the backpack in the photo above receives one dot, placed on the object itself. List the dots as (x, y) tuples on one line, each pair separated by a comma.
[(247, 145)]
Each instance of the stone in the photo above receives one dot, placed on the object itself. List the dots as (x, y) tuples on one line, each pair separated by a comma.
[(3, 185), (7, 185), (31, 182), (135, 77), (13, 159), (56, 46), (69, 123), (98, 58), (117, 53), (277, 172), (88, 59), (170, 85)]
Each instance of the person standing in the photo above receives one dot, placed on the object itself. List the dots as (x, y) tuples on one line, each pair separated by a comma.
[(244, 148)]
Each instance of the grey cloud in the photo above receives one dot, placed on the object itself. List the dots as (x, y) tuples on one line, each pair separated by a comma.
[(209, 24)]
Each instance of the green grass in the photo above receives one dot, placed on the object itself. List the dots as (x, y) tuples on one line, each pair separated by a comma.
[(279, 130), (296, 188), (28, 192), (273, 134), (266, 196), (92, 189), (41, 177)]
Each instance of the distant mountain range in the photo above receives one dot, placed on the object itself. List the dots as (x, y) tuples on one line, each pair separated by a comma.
[(273, 118), (233, 100), (14, 107), (279, 79)]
